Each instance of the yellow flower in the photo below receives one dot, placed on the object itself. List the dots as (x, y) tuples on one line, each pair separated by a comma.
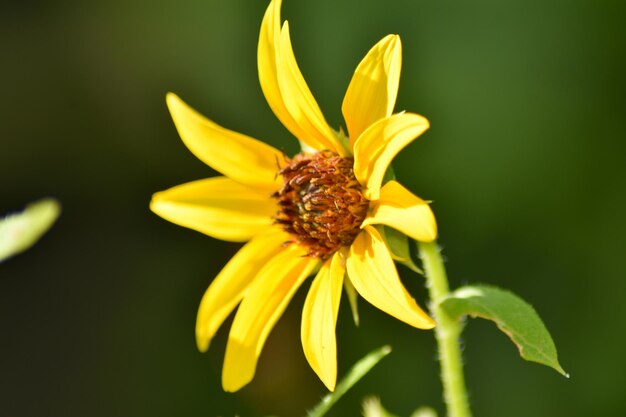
[(313, 213)]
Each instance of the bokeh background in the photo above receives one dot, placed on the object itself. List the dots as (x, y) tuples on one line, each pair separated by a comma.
[(525, 163)]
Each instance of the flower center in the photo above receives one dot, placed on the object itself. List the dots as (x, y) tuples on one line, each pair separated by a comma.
[(321, 204)]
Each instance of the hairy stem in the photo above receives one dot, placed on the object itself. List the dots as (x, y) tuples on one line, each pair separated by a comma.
[(447, 333)]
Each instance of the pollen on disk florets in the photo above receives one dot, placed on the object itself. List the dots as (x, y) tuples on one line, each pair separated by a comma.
[(320, 203)]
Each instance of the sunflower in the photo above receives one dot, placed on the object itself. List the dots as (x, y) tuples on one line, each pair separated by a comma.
[(317, 213)]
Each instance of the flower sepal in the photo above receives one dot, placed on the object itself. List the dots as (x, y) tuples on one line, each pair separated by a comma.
[(353, 298), (399, 246)]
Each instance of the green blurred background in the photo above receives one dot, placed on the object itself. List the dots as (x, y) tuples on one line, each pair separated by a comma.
[(525, 163)]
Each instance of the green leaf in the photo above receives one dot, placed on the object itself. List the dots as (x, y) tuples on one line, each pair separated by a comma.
[(516, 318), (20, 231), (357, 372), (398, 244)]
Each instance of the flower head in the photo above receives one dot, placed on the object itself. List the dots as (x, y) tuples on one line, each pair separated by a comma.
[(313, 213)]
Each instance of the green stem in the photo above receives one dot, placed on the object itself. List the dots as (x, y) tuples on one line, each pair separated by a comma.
[(447, 333), (358, 371)]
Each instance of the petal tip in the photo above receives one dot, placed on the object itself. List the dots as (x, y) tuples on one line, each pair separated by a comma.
[(234, 376), (228, 386), (395, 40), (430, 324), (422, 320), (432, 231), (155, 203), (330, 383), (432, 236), (172, 99), (202, 343)]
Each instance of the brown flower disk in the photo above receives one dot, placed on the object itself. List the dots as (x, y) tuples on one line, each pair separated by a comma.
[(321, 204)]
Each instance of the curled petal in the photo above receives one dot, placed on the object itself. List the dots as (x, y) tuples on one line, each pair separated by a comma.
[(397, 207), (237, 156), (379, 144), (218, 207), (319, 318), (269, 41), (231, 284), (285, 89), (259, 311), (373, 89), (300, 102), (373, 274)]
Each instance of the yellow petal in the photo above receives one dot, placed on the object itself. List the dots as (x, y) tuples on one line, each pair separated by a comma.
[(404, 211), (372, 92), (379, 144), (373, 274), (285, 89), (237, 156), (269, 41), (231, 284), (259, 311), (319, 318), (218, 207), (300, 102)]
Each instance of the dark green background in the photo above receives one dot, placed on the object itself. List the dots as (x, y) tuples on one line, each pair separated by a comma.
[(525, 163)]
